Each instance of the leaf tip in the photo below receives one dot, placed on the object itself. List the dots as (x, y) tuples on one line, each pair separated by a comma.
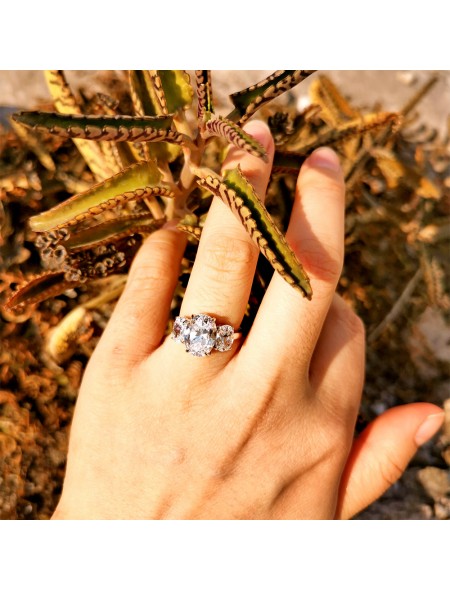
[(17, 116)]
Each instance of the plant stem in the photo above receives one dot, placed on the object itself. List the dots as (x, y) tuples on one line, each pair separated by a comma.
[(154, 207), (397, 308), (187, 181)]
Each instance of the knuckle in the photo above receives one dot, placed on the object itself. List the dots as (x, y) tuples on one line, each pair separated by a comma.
[(111, 361), (146, 276), (230, 255), (312, 180), (139, 313), (154, 270), (325, 261), (390, 469)]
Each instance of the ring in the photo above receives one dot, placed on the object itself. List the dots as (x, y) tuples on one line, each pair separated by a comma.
[(200, 334)]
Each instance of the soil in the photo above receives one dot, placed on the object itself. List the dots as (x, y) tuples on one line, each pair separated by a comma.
[(395, 276)]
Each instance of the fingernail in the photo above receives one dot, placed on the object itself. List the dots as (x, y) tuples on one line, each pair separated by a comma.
[(325, 158), (260, 132), (429, 427)]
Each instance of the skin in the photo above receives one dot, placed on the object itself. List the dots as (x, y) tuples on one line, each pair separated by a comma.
[(264, 431)]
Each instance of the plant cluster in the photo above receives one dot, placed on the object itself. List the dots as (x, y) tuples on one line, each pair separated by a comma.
[(149, 168)]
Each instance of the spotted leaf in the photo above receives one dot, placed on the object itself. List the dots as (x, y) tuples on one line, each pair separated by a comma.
[(135, 182), (119, 128), (65, 102), (143, 94), (173, 89), (236, 192), (40, 288), (249, 100), (204, 93), (194, 231), (111, 231), (221, 127), (146, 103)]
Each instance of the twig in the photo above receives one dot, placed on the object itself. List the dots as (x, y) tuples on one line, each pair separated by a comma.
[(396, 309), (413, 101)]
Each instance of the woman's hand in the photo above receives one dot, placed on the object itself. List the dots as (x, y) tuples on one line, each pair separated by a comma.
[(263, 431)]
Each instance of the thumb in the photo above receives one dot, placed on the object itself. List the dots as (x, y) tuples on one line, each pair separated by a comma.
[(382, 452)]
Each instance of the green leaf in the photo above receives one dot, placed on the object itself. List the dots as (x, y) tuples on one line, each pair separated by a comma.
[(125, 153), (249, 100), (143, 94), (236, 192), (112, 231), (111, 156), (135, 182), (40, 288), (221, 127), (146, 103), (63, 98), (65, 102), (177, 91), (204, 92), (119, 128)]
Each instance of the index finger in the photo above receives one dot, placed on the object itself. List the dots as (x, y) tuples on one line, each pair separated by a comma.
[(286, 322)]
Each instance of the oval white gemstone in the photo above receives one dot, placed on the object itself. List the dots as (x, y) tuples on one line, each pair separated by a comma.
[(179, 328), (200, 335), (224, 337)]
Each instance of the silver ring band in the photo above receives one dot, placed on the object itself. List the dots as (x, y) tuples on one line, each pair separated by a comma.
[(200, 334)]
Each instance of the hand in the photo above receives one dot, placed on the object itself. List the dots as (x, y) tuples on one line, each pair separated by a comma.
[(264, 431)]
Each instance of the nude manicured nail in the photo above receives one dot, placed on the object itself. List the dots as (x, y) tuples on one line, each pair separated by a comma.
[(429, 427), (325, 158)]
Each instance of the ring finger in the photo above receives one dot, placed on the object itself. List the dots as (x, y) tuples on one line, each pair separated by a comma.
[(225, 264)]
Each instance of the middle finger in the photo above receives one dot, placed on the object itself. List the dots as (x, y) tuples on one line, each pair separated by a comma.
[(287, 322)]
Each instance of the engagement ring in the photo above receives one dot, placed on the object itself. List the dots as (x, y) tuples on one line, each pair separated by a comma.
[(200, 335)]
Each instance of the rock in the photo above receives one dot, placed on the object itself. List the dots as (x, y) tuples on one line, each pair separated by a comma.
[(442, 509), (435, 481)]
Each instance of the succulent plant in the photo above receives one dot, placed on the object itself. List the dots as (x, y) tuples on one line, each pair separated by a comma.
[(162, 163), (96, 232)]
